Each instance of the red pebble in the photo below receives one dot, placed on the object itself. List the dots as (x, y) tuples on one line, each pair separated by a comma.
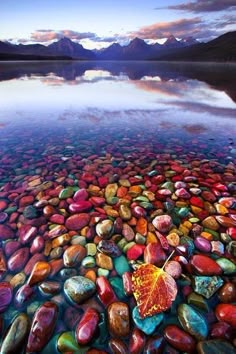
[(87, 326), (221, 330), (127, 283), (27, 200), (204, 265), (154, 254), (196, 201), (137, 341), (80, 206), (179, 339), (135, 252), (103, 182), (77, 221), (6, 232), (57, 219), (226, 313), (105, 291)]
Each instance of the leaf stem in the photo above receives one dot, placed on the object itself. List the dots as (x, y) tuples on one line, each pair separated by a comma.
[(168, 259)]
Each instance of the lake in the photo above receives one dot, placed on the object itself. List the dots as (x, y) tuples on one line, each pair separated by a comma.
[(105, 166)]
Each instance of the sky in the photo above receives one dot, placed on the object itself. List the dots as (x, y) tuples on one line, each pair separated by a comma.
[(99, 23)]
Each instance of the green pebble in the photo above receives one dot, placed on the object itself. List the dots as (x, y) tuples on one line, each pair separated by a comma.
[(226, 265), (198, 301), (91, 249), (168, 185), (122, 243), (194, 220), (121, 265), (10, 210), (66, 193), (117, 285), (192, 321), (147, 324), (112, 200), (225, 238), (88, 262), (146, 205), (183, 212), (30, 212), (152, 173), (140, 239), (141, 198), (103, 272), (207, 286), (78, 240), (128, 246)]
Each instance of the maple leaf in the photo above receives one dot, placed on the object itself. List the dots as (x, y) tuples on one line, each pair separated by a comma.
[(153, 289)]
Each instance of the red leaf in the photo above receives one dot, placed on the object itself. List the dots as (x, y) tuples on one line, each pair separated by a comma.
[(153, 289)]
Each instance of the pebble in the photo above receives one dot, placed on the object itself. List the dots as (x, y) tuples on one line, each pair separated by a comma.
[(227, 293), (179, 339), (74, 255), (77, 221), (149, 324), (137, 341), (192, 321), (87, 326), (207, 286), (104, 229), (79, 289), (6, 295), (215, 347), (17, 334), (226, 313), (204, 265), (39, 273), (162, 223), (42, 327), (105, 292), (118, 319)]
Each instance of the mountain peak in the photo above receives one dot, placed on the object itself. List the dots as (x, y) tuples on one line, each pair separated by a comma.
[(171, 39)]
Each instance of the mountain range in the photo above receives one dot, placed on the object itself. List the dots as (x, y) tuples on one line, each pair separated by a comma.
[(222, 48)]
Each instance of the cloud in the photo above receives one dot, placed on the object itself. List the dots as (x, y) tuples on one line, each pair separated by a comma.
[(180, 28), (49, 35), (198, 6)]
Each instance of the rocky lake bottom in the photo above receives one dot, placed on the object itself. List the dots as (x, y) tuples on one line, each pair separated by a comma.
[(143, 176)]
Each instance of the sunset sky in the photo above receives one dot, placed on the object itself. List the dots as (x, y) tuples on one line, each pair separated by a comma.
[(99, 23)]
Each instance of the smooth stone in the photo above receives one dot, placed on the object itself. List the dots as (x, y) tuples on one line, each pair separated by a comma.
[(198, 301), (39, 273), (105, 292), (18, 280), (30, 212), (80, 195), (202, 244), (227, 293), (88, 262), (23, 295), (204, 265), (162, 223), (147, 324), (117, 286), (80, 206), (66, 343), (192, 321), (226, 265), (87, 326), (10, 247), (179, 339), (105, 228), (154, 254), (110, 190), (121, 265), (217, 346), (117, 346), (137, 341), (66, 193), (118, 319), (42, 327), (77, 221), (226, 313), (74, 255), (173, 268), (16, 336), (125, 212), (91, 249), (3, 217), (135, 252), (49, 288), (37, 257), (6, 295), (104, 261), (109, 248), (211, 223), (18, 260), (225, 221), (3, 265), (79, 289), (155, 345), (221, 330), (207, 286), (6, 232), (128, 232)]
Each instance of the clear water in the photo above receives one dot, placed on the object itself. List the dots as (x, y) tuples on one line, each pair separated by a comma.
[(58, 117)]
